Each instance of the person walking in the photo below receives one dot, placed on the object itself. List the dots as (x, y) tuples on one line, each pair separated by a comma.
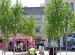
[(32, 51), (15, 46), (21, 46), (41, 48), (52, 50)]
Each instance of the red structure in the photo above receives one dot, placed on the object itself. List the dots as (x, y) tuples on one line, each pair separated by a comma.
[(27, 42), (2, 45), (31, 42)]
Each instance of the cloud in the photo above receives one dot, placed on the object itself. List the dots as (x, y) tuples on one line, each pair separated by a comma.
[(30, 3)]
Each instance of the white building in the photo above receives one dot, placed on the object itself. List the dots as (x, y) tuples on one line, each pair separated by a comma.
[(37, 12)]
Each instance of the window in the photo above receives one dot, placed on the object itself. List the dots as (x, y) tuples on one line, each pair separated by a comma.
[(38, 29), (38, 20), (72, 7)]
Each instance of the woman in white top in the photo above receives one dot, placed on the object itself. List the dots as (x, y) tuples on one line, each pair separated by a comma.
[(41, 48)]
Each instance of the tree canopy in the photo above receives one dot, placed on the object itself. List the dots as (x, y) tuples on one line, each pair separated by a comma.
[(58, 17), (12, 19)]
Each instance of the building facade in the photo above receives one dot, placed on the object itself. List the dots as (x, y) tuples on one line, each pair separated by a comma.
[(38, 14)]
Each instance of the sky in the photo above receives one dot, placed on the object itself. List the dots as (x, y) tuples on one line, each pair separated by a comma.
[(30, 3)]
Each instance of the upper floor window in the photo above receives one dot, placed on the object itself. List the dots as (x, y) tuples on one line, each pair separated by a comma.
[(72, 6), (38, 20), (38, 29)]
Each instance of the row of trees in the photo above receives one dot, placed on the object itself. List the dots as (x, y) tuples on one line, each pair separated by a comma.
[(59, 20), (12, 20)]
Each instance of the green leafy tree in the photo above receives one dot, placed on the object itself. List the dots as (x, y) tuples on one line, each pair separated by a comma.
[(58, 19), (68, 17), (10, 17), (31, 26), (17, 16), (53, 19), (4, 17), (27, 26)]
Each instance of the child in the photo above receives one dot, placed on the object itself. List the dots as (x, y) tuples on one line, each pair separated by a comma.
[(32, 51)]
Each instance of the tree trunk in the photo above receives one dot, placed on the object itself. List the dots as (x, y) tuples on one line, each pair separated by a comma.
[(14, 47), (66, 46), (60, 40), (53, 45), (60, 49), (65, 31), (14, 51), (4, 46), (56, 49)]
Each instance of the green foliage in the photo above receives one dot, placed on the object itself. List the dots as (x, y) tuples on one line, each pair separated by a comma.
[(31, 26), (71, 25), (53, 17), (27, 26), (4, 15), (68, 17), (58, 17), (17, 16), (12, 19)]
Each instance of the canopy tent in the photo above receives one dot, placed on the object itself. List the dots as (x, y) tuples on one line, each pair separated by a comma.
[(20, 37), (17, 38)]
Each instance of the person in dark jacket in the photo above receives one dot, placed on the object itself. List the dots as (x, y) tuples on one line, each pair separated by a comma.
[(52, 50)]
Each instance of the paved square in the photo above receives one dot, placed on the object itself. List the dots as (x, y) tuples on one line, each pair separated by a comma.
[(46, 53)]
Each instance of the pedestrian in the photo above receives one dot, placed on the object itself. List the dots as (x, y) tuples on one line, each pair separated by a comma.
[(15, 46), (21, 46), (38, 45), (18, 47), (41, 48), (32, 51), (52, 50)]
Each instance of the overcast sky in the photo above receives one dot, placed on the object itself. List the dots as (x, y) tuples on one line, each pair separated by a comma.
[(30, 3)]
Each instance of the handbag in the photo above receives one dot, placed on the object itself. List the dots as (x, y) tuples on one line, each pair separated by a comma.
[(39, 52)]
